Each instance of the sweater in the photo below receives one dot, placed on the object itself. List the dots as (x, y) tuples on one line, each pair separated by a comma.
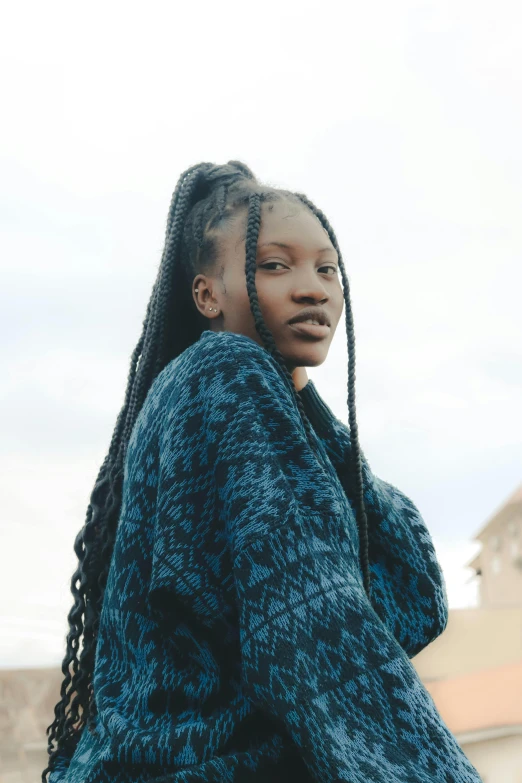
[(236, 640)]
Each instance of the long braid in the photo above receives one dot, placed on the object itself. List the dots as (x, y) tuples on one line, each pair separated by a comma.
[(95, 542), (86, 544), (252, 234), (173, 201), (356, 466), (171, 255), (205, 198), (152, 363), (253, 223)]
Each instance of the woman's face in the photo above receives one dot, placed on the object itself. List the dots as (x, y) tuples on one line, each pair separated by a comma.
[(289, 279)]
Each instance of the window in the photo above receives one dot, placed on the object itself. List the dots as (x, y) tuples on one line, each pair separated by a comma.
[(495, 564)]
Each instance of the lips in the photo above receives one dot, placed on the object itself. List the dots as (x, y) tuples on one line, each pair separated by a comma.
[(311, 314), (315, 331)]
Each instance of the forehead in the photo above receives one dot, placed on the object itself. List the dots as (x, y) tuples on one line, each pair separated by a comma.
[(282, 221), (293, 224)]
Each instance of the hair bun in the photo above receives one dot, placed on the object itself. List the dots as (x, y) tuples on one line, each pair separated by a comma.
[(227, 173), (243, 168), (213, 176)]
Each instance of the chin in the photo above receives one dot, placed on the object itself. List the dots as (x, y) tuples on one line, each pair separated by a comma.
[(311, 355)]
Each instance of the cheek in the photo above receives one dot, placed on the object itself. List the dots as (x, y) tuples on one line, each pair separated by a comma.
[(239, 312), (339, 302), (271, 293), (236, 294)]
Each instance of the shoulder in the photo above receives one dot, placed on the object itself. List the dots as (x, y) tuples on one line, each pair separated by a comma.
[(223, 346), (221, 377), (223, 355)]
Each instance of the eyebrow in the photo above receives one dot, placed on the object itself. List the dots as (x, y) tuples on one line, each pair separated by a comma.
[(289, 247)]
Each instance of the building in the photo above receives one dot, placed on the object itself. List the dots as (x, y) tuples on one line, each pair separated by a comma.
[(499, 563), (473, 670)]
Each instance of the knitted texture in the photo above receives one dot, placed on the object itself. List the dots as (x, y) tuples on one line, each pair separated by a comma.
[(236, 641)]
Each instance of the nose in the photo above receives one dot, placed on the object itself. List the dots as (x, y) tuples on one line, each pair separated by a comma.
[(309, 286)]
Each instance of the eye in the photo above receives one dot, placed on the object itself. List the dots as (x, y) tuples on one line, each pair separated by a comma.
[(271, 263), (333, 269)]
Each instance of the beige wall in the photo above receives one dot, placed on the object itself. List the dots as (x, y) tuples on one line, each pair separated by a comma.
[(474, 639), (497, 760), (22, 764), (27, 700)]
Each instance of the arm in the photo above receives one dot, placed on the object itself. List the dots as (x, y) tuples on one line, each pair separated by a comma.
[(314, 652), (408, 588)]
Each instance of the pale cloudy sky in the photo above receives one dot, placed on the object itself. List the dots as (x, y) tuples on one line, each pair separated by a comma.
[(401, 120)]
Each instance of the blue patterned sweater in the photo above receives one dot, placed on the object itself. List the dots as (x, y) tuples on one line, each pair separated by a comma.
[(236, 641)]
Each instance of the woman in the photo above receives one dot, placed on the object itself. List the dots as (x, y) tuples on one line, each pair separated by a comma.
[(249, 594)]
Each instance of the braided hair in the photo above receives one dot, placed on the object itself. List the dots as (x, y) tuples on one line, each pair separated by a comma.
[(206, 199)]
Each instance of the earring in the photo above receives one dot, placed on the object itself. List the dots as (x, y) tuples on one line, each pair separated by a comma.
[(210, 308)]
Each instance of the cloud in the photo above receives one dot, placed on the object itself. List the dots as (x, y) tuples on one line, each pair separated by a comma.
[(414, 157)]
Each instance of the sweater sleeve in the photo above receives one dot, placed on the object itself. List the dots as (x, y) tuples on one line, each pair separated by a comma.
[(315, 654), (408, 587)]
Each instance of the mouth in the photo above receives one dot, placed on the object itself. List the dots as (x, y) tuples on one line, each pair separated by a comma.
[(311, 329)]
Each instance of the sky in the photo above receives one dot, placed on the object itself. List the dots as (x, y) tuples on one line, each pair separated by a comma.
[(402, 121)]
